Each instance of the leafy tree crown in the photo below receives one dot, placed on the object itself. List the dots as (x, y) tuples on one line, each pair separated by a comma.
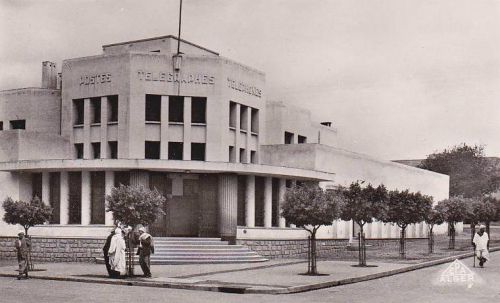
[(362, 205), (308, 205), (405, 207), (133, 205), (27, 214), (454, 209)]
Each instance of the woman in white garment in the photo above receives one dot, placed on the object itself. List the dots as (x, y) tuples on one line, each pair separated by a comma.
[(116, 254)]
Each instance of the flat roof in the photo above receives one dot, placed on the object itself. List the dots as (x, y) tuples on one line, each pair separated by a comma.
[(162, 37)]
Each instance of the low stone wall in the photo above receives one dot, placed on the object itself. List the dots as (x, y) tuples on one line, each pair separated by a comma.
[(56, 249), (326, 248)]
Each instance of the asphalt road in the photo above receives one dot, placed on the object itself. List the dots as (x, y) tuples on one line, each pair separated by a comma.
[(419, 286)]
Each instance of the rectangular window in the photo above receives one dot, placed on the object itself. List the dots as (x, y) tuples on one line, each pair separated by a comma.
[(232, 154), (75, 197), (95, 107), (288, 138), (176, 109), (113, 149), (55, 197), (97, 194), (96, 150), (1, 125), (175, 150), (36, 185), (198, 151), (152, 150), (113, 108), (243, 117), (232, 114), (243, 156), (79, 150), (255, 120), (78, 111), (301, 139), (253, 156), (18, 124), (153, 108), (122, 178), (198, 110)]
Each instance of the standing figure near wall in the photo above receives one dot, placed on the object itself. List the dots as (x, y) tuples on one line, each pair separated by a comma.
[(105, 251), (146, 248), (22, 247)]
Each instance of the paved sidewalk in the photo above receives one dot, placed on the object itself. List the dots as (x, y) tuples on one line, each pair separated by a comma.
[(273, 277)]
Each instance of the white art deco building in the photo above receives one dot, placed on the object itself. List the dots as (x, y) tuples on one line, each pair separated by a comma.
[(198, 127)]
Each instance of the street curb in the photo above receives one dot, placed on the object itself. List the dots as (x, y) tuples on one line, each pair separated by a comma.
[(252, 289)]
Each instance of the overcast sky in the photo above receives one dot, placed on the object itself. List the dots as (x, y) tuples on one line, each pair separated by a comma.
[(398, 78)]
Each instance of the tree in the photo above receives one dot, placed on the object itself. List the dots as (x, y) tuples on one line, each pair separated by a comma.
[(363, 205), (309, 207), (26, 214), (134, 205), (471, 174), (454, 210), (483, 210), (433, 217), (405, 208)]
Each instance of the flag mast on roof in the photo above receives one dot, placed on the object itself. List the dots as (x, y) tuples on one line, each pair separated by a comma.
[(177, 57)]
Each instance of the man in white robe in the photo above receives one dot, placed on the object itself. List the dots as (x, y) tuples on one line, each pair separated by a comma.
[(116, 253), (481, 244)]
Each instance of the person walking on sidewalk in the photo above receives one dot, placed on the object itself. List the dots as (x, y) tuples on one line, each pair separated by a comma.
[(22, 245), (116, 254), (481, 244), (146, 248), (105, 250)]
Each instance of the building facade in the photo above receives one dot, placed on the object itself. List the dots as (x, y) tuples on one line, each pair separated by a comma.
[(196, 126)]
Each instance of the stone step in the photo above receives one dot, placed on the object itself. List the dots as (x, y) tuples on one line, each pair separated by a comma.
[(198, 243)]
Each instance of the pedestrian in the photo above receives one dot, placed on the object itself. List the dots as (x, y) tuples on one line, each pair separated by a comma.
[(481, 244), (146, 248), (22, 245), (116, 253), (105, 250)]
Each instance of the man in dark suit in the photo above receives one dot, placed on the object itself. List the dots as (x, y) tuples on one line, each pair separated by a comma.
[(146, 248), (105, 250), (22, 245)]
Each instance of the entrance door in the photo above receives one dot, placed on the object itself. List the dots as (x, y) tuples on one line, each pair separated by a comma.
[(184, 211)]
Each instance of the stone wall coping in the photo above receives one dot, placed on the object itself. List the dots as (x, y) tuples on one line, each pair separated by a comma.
[(56, 237)]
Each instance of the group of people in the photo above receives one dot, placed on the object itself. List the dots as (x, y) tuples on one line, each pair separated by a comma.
[(115, 246)]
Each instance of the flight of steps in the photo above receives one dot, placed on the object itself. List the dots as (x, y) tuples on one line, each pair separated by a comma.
[(198, 251)]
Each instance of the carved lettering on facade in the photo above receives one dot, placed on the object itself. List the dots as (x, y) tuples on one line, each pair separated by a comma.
[(245, 88), (95, 79), (202, 79)]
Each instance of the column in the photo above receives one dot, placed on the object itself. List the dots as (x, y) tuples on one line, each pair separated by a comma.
[(104, 127), (64, 199), (46, 187), (87, 152), (268, 202), (86, 205), (186, 153), (228, 206), (281, 198), (250, 201), (164, 128), (248, 152), (109, 180)]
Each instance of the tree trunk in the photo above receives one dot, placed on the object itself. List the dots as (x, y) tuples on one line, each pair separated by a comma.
[(451, 244), (361, 246), (29, 260), (402, 250), (472, 231), (431, 240), (313, 269), (488, 228)]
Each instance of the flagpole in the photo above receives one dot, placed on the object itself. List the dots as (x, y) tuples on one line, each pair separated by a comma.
[(179, 35)]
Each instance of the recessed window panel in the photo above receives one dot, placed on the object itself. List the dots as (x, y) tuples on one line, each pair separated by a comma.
[(153, 108)]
